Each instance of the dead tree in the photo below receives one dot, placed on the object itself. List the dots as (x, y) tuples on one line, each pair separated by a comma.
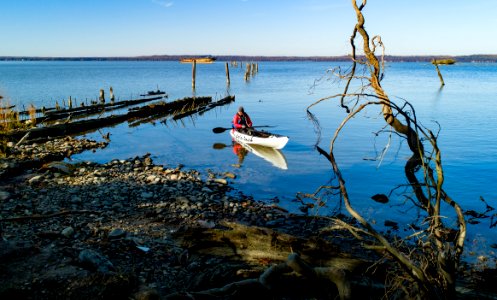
[(427, 269)]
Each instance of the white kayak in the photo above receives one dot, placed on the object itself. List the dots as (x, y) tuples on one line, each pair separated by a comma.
[(272, 155), (261, 138)]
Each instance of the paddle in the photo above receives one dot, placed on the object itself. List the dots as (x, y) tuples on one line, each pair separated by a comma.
[(223, 129)]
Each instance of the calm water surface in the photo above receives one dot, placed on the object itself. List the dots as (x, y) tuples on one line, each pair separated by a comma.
[(278, 95)]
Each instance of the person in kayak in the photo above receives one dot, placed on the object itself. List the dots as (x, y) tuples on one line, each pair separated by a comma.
[(241, 120)]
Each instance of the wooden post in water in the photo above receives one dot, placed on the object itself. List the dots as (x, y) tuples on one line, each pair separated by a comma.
[(111, 92), (227, 74), (437, 62), (442, 83), (194, 72), (247, 72), (101, 97), (253, 69)]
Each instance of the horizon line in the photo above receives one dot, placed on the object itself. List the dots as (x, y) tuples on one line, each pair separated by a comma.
[(168, 57)]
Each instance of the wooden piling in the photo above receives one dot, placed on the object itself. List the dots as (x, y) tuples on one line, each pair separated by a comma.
[(253, 71), (247, 72), (111, 92), (437, 62), (442, 83), (101, 97), (227, 74), (194, 72)]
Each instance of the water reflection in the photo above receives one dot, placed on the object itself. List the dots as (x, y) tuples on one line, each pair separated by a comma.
[(271, 155)]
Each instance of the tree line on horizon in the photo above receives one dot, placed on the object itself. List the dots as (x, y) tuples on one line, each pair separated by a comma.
[(390, 58)]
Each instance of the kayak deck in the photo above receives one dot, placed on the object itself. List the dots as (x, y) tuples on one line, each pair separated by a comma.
[(256, 137)]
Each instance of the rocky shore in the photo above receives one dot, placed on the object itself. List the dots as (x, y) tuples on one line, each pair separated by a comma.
[(119, 229), (132, 229)]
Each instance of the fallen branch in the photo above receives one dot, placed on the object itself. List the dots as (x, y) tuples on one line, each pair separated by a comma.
[(265, 281), (54, 215)]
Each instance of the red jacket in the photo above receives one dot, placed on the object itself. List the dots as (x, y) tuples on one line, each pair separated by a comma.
[(239, 121)]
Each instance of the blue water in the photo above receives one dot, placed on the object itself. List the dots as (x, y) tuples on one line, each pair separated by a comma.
[(278, 95)]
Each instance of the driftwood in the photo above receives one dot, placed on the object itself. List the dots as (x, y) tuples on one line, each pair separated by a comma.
[(268, 280), (289, 255), (18, 167), (42, 217)]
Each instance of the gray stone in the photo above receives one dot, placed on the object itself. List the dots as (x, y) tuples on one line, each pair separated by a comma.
[(4, 195), (35, 179), (75, 199), (221, 181), (68, 232), (206, 224), (230, 175), (181, 200), (117, 206), (206, 190), (146, 195), (151, 178), (117, 233)]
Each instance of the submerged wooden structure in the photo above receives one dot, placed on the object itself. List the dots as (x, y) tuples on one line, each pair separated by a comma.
[(148, 113)]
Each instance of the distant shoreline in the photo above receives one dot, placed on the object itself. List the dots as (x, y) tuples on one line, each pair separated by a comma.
[(391, 58)]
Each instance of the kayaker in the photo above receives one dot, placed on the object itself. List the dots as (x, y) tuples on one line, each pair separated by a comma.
[(241, 120)]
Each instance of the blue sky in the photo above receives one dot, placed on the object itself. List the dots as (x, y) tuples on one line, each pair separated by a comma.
[(241, 27)]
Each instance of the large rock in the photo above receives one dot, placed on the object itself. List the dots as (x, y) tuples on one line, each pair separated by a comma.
[(95, 261)]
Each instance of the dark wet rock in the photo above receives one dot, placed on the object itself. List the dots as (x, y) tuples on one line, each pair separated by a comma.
[(117, 233), (392, 224), (68, 232), (95, 261), (380, 198), (147, 294), (146, 195), (4, 195)]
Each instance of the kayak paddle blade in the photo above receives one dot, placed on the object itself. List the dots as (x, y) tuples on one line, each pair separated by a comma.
[(220, 129)]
